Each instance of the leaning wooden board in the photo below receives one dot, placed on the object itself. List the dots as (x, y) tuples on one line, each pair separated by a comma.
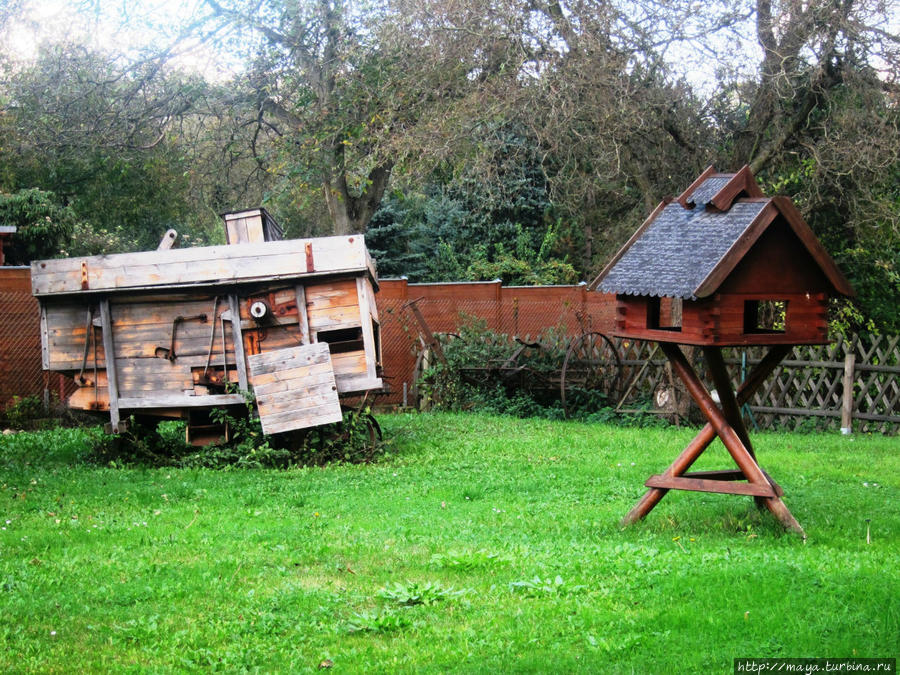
[(295, 388)]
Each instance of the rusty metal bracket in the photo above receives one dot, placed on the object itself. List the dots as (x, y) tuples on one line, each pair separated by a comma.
[(169, 354)]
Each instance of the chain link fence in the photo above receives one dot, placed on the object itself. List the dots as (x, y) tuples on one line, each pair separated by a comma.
[(21, 373)]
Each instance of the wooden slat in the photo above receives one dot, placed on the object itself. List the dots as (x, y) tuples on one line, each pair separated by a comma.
[(334, 318), (238, 342), (311, 372), (365, 312), (302, 314), (180, 401), (705, 485), (288, 405), (352, 384), (338, 293), (109, 350), (350, 364), (288, 359)]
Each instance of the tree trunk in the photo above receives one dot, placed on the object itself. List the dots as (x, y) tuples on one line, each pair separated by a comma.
[(351, 214)]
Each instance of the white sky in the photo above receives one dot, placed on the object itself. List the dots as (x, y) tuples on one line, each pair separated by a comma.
[(110, 26)]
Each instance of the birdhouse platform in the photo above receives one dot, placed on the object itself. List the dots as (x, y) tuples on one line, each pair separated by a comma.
[(722, 266)]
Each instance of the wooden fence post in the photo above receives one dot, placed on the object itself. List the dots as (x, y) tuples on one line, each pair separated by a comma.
[(847, 398)]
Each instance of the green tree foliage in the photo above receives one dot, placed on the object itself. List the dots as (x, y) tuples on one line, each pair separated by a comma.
[(43, 227), (100, 136)]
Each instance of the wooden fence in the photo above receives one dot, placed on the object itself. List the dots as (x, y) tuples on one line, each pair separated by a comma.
[(852, 384)]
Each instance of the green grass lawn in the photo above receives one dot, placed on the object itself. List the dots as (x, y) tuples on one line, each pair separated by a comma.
[(479, 544)]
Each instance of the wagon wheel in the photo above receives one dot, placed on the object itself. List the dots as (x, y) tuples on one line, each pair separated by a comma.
[(592, 364)]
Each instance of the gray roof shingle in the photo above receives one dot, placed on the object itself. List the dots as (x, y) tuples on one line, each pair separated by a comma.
[(680, 248)]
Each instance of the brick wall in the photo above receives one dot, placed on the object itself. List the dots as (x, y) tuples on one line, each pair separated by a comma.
[(522, 311)]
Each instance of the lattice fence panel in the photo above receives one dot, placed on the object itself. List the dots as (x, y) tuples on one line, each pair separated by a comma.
[(807, 390)]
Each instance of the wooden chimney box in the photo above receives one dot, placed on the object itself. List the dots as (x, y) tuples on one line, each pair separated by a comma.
[(723, 265)]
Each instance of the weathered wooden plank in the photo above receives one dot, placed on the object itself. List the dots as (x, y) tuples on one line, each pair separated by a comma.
[(337, 293), (321, 414), (353, 384), (45, 343), (162, 310), (210, 265), (365, 312), (350, 363), (298, 374), (181, 401), (302, 313), (140, 375), (238, 342), (293, 404), (291, 425), (109, 351), (370, 295), (284, 359), (334, 318)]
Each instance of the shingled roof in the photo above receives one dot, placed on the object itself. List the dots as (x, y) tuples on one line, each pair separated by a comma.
[(687, 247)]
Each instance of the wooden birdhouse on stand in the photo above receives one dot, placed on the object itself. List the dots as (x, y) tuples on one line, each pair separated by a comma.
[(722, 266)]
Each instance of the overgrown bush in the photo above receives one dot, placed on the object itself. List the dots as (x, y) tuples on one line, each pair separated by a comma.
[(356, 440), (479, 375), (23, 412)]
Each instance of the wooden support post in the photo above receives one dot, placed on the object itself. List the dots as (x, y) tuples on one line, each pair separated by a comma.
[(760, 485), (368, 333), (847, 396), (707, 434), (302, 314), (238, 338), (730, 407), (728, 435), (110, 352)]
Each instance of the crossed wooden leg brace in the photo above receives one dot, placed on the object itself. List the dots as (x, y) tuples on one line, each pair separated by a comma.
[(726, 423)]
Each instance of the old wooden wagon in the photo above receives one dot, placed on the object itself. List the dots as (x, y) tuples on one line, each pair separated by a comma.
[(175, 333), (722, 265)]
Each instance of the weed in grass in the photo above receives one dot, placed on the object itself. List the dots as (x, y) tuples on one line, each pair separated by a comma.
[(537, 587), (466, 561), (413, 593), (385, 621)]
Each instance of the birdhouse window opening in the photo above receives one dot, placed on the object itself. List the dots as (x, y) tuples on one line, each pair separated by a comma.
[(765, 316), (342, 340), (664, 316)]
